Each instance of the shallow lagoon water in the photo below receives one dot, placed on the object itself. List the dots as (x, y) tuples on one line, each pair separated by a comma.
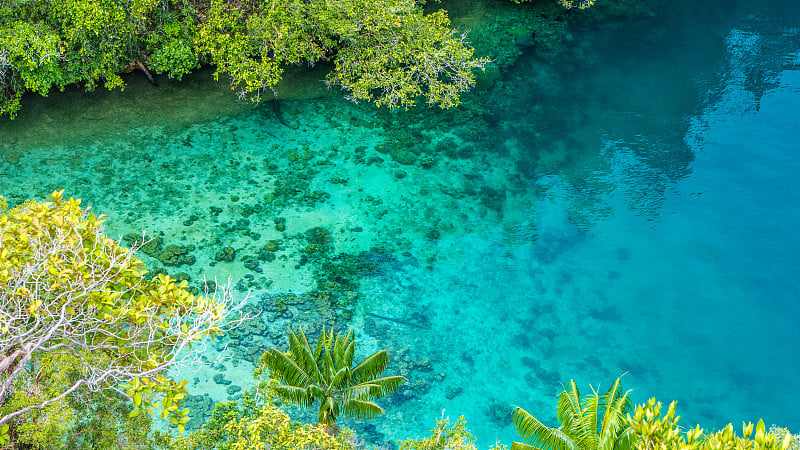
[(628, 210)]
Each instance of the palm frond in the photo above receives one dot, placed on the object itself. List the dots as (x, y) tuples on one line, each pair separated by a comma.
[(381, 387), (371, 367), (328, 365), (319, 350), (539, 435), (521, 446), (295, 395), (616, 409), (298, 339), (349, 353), (361, 409), (613, 405), (625, 441), (587, 433), (301, 353), (569, 407), (339, 349), (358, 391), (328, 412), (284, 369), (318, 392), (339, 378)]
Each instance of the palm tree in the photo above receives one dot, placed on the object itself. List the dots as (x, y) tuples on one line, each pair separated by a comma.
[(326, 375), (582, 427)]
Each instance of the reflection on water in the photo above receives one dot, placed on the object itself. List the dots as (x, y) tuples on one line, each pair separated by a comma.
[(625, 208)]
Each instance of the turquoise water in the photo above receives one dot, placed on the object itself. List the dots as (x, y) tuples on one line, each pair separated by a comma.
[(629, 208)]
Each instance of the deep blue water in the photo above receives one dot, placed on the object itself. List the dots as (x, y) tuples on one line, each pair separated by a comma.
[(631, 209)]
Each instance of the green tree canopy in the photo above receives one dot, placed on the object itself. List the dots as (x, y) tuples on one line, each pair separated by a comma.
[(385, 51), (67, 291)]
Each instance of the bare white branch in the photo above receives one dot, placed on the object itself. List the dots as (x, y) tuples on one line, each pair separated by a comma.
[(50, 305)]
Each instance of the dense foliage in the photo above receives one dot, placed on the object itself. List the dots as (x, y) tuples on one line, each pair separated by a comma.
[(655, 432), (385, 51), (604, 422), (445, 436), (78, 316)]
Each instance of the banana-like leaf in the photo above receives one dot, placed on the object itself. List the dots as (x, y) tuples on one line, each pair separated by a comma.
[(371, 367), (538, 435)]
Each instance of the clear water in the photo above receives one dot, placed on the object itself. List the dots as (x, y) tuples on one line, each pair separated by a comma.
[(630, 209)]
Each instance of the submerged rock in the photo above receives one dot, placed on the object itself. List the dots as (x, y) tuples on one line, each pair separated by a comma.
[(176, 255), (151, 247), (227, 254)]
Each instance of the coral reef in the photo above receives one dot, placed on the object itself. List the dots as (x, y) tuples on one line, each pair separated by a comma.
[(176, 255), (227, 254)]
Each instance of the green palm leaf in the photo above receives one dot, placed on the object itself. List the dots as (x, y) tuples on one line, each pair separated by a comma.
[(587, 433), (381, 387), (322, 342), (284, 368), (521, 446), (301, 354), (569, 407), (371, 367), (359, 392), (340, 377), (328, 364), (539, 435), (349, 353), (340, 346), (294, 394), (325, 375), (626, 440), (318, 392), (582, 426), (361, 409)]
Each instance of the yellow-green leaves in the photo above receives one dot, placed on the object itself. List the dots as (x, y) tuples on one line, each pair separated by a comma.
[(85, 295), (4, 438), (272, 428), (444, 437), (655, 432)]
